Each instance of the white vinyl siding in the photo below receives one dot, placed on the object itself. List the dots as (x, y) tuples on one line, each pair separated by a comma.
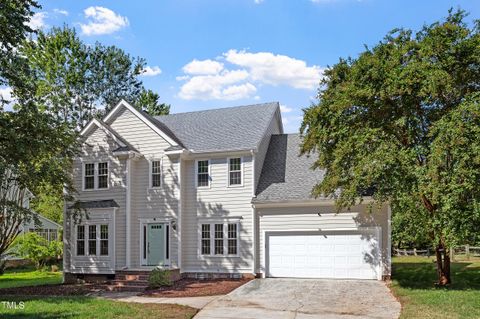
[(149, 202), (97, 148), (201, 205)]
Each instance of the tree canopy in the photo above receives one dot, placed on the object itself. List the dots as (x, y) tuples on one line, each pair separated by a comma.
[(404, 119)]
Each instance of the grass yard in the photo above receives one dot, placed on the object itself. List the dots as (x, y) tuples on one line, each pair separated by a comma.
[(413, 281), (88, 307), (22, 306), (28, 276)]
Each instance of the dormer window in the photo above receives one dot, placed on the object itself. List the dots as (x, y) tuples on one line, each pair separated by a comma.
[(95, 176)]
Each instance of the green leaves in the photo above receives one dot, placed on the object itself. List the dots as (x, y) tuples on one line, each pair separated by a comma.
[(73, 81), (148, 102), (403, 118)]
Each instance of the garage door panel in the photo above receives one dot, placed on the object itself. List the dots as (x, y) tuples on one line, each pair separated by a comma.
[(317, 255)]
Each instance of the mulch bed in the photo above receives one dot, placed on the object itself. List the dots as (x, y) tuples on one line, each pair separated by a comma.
[(52, 290), (197, 288)]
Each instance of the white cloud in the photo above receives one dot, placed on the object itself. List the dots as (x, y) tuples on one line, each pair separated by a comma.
[(203, 67), (285, 109), (258, 1), (61, 11), (182, 77), (6, 93), (224, 86), (102, 21), (151, 71), (237, 74), (37, 21), (276, 69)]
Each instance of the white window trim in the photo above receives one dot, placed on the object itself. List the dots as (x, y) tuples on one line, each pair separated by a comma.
[(212, 239), (95, 175), (209, 173), (150, 179), (86, 239), (241, 172)]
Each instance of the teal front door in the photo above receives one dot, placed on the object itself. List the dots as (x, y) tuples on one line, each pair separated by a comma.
[(156, 244)]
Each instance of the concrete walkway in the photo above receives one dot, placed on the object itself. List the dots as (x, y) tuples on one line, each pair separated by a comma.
[(305, 299), (194, 302)]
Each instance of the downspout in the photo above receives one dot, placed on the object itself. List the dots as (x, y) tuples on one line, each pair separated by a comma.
[(179, 217), (254, 225), (389, 241), (128, 212)]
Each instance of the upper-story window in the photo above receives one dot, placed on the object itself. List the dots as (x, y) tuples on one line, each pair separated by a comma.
[(203, 173), (234, 171), (155, 173), (95, 175), (90, 176)]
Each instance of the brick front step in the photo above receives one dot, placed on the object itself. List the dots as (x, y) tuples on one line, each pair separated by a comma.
[(129, 277), (116, 287)]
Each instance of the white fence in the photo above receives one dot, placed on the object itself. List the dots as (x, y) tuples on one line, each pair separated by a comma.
[(466, 251)]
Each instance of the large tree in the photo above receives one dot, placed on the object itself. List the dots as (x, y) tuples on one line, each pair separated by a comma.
[(14, 18), (74, 81), (404, 119)]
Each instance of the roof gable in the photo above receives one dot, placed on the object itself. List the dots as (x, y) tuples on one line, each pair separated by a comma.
[(165, 133)]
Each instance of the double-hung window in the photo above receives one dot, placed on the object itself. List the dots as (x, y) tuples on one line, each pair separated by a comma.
[(95, 176), (80, 240), (235, 171), (89, 176), (103, 240), (219, 239), (156, 173), (203, 173), (103, 175), (92, 240)]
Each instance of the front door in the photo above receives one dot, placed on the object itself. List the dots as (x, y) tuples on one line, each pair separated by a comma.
[(155, 244)]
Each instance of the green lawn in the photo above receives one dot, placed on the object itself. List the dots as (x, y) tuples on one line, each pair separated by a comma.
[(28, 276), (413, 281), (74, 306), (88, 307)]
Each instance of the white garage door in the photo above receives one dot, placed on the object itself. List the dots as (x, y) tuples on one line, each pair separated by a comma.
[(324, 255)]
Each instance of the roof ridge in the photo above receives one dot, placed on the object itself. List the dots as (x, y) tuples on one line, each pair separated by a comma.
[(217, 109)]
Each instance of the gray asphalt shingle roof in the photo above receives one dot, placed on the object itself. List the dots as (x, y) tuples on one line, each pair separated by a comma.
[(285, 174), (225, 129)]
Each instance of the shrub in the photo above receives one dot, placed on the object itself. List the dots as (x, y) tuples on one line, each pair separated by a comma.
[(37, 249), (159, 277)]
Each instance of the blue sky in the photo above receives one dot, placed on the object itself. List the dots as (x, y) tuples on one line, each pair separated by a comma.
[(216, 53)]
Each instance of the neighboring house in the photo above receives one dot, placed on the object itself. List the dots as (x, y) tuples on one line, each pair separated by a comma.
[(45, 227), (216, 192)]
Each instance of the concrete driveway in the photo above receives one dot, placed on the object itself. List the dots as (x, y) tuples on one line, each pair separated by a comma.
[(305, 299)]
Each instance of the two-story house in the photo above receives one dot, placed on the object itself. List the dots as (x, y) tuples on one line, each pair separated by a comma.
[(215, 192)]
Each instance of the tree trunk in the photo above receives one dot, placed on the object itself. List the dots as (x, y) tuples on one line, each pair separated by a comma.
[(443, 265)]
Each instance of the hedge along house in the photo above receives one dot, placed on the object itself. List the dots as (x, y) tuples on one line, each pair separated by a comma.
[(219, 192)]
